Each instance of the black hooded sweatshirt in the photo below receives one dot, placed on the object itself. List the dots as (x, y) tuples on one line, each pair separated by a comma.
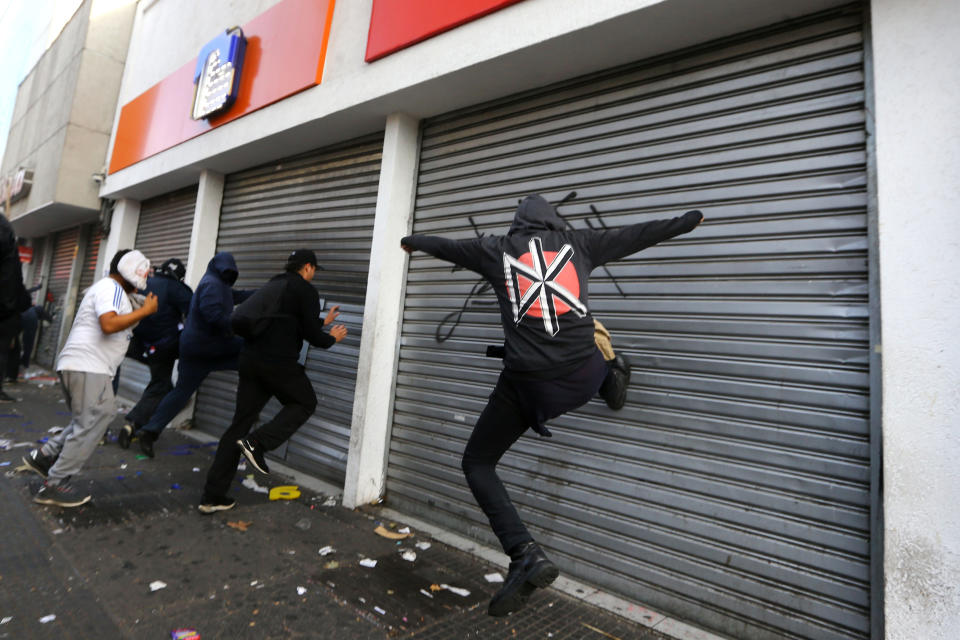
[(539, 272)]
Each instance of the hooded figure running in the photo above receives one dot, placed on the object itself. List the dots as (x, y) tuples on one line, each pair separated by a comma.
[(539, 272), (207, 344)]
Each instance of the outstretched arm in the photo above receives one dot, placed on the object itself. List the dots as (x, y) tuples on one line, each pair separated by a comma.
[(612, 244), (465, 253)]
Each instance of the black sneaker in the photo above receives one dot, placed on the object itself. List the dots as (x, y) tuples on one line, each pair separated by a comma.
[(125, 436), (147, 438), (253, 453), (614, 387), (212, 505), (60, 495), (530, 571), (5, 397), (38, 463)]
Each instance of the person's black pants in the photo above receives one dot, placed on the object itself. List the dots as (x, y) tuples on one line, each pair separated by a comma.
[(259, 381), (30, 323), (161, 362), (515, 404), (9, 330)]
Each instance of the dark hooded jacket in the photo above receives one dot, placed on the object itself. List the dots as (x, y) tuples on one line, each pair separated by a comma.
[(14, 298), (173, 303), (539, 272), (206, 332)]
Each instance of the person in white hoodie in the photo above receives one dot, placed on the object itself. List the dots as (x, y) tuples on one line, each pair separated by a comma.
[(87, 364)]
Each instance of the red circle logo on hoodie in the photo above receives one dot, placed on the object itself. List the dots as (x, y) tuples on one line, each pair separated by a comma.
[(567, 278)]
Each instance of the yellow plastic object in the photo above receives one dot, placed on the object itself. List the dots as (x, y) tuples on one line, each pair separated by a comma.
[(285, 492)]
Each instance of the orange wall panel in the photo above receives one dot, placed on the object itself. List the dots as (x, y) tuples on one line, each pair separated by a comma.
[(286, 49)]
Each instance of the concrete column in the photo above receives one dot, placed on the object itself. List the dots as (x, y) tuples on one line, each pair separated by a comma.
[(73, 285), (206, 225), (382, 315), (203, 246), (916, 53), (123, 230)]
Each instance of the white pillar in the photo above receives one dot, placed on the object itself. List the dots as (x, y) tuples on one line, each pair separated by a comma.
[(382, 314), (916, 54), (206, 225), (123, 231), (203, 246)]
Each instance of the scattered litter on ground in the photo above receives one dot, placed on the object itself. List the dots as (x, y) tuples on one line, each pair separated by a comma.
[(368, 562), (251, 484), (303, 524), (240, 525), (493, 577), (123, 466), (49, 618), (384, 532), (333, 564), (5, 443), (140, 456), (285, 492), (405, 530), (327, 550), (328, 501), (426, 593), (254, 583), (301, 591), (6, 620), (4, 464), (603, 633), (184, 634), (242, 466), (196, 469), (457, 590), (409, 555), (380, 611), (156, 585), (175, 486), (57, 532), (423, 546), (54, 430)]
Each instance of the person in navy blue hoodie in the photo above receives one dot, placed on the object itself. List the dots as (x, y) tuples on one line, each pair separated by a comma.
[(539, 272), (207, 343), (157, 342)]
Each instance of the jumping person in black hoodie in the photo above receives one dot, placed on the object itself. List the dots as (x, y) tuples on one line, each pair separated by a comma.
[(269, 367), (539, 272)]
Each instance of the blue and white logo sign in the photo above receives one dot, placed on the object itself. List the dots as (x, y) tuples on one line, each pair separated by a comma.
[(217, 76)]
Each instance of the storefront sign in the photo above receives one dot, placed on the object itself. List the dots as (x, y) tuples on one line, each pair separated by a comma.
[(396, 24), (26, 254), (16, 186), (217, 74)]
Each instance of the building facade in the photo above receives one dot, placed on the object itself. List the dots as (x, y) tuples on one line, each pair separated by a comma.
[(783, 467)]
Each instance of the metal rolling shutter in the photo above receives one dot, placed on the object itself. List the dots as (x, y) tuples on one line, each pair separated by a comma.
[(39, 246), (64, 251), (733, 488), (324, 201), (163, 232), (89, 274)]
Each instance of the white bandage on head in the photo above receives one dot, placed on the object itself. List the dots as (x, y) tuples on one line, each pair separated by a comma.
[(134, 268)]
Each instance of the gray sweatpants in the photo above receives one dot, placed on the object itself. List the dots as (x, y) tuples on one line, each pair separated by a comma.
[(90, 399)]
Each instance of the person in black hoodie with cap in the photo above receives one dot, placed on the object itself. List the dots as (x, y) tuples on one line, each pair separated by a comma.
[(539, 272), (156, 341), (270, 367), (207, 343)]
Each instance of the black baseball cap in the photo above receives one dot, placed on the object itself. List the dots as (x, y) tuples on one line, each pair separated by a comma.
[(300, 257)]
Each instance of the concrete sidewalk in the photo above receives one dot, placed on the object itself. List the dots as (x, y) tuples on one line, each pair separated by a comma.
[(251, 572)]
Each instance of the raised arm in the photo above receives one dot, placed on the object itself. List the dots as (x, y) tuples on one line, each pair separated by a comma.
[(465, 253), (612, 244)]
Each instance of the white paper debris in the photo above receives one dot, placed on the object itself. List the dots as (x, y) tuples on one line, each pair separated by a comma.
[(5, 443), (57, 532), (123, 466), (251, 484), (457, 590), (368, 562), (362, 599), (6, 620), (493, 577), (254, 583), (156, 585), (423, 546), (327, 550), (54, 430), (301, 591), (380, 611), (426, 593), (409, 555), (49, 618), (404, 530), (196, 469)]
